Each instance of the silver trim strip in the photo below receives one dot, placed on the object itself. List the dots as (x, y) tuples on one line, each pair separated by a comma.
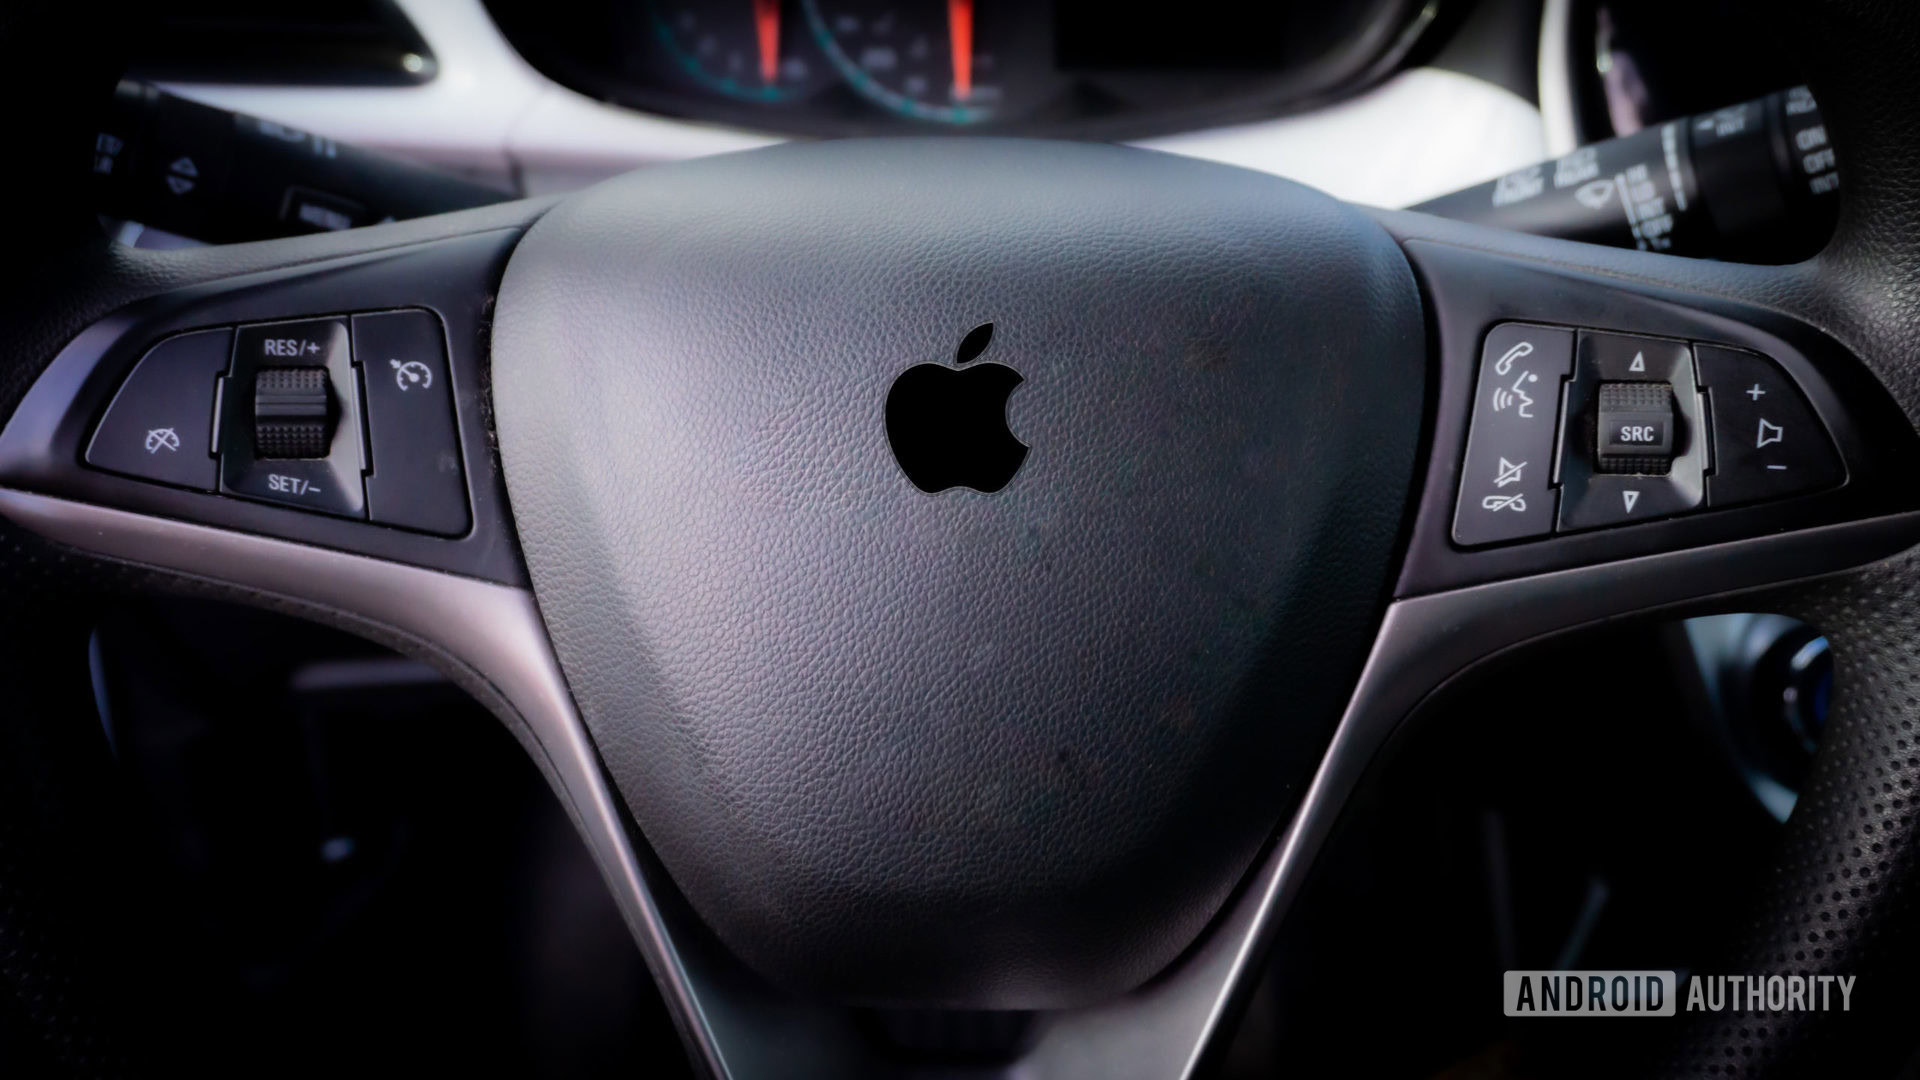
[(1556, 78)]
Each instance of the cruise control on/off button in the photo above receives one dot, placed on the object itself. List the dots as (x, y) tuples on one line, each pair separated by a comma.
[(416, 481), (1506, 488)]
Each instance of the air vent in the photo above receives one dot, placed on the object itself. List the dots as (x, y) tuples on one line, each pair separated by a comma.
[(284, 43)]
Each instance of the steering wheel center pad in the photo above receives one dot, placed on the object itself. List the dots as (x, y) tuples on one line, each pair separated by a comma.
[(1007, 750)]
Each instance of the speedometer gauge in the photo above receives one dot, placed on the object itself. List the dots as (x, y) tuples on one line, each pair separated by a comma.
[(939, 60), (752, 49)]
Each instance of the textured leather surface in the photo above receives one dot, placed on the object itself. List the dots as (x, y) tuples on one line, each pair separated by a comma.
[(1839, 898), (1002, 751)]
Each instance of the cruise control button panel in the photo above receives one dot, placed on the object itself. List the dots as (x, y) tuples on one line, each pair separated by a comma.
[(274, 406), (1506, 490), (1767, 442), (290, 412), (1575, 429)]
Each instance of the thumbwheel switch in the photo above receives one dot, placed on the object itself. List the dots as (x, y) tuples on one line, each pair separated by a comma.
[(292, 413)]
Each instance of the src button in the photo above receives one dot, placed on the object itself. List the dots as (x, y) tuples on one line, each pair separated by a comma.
[(1635, 429)]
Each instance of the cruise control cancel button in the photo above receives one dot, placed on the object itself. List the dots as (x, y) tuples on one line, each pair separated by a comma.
[(160, 425), (1506, 490)]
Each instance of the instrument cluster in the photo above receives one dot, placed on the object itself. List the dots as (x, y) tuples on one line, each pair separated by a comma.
[(1079, 68)]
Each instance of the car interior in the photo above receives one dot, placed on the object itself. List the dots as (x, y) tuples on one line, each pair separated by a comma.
[(984, 539)]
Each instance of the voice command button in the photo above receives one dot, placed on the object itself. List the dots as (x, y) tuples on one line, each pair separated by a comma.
[(1506, 482)]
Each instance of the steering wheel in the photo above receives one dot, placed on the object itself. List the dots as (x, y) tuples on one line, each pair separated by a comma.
[(860, 698)]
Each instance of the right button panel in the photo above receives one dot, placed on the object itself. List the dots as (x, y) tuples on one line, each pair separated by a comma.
[(1767, 443)]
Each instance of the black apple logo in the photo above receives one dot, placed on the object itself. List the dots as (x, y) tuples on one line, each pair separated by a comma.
[(948, 425)]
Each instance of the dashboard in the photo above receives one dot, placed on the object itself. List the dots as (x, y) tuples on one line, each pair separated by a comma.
[(547, 98), (1079, 68)]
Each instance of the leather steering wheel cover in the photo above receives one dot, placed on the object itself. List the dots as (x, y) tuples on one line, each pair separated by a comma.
[(60, 969)]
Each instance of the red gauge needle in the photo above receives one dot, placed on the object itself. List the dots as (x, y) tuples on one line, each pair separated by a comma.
[(960, 35), (766, 24)]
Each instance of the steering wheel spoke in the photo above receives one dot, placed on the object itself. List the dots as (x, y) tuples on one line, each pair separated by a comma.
[(165, 375)]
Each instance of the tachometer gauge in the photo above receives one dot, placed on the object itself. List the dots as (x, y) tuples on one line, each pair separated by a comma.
[(939, 60), (754, 49)]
